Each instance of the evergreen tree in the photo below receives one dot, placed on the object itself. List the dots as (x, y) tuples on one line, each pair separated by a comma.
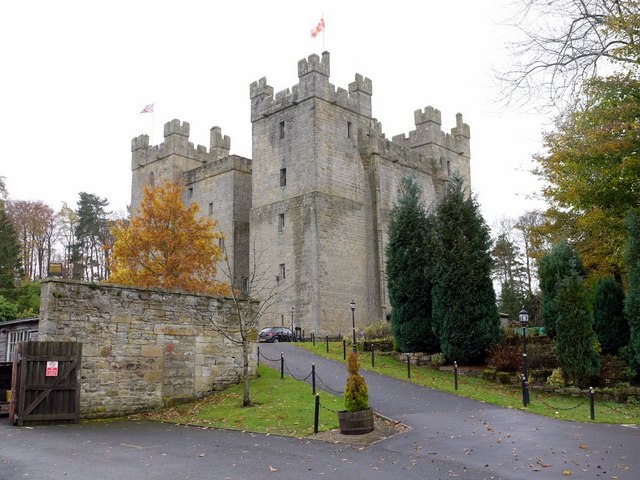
[(408, 276), (558, 264), (10, 264), (632, 300), (575, 338), (92, 234), (610, 325), (464, 302)]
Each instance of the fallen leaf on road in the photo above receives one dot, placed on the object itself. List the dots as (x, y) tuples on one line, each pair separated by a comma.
[(273, 469), (566, 473)]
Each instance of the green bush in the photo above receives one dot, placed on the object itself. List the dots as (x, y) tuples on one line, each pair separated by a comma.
[(356, 394), (438, 359), (378, 331)]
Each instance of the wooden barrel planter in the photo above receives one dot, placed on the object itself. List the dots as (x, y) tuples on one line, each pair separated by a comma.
[(356, 423)]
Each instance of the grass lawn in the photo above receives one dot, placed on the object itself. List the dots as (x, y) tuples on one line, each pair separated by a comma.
[(510, 396), (281, 407)]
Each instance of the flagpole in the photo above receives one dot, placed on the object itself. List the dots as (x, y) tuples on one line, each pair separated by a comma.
[(153, 122), (323, 29)]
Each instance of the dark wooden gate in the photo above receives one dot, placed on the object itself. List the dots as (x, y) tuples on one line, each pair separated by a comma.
[(45, 385)]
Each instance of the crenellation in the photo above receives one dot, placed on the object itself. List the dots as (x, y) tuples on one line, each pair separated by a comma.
[(175, 127), (219, 145), (140, 142), (429, 114), (362, 85), (315, 64)]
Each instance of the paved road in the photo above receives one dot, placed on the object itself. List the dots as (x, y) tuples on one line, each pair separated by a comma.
[(451, 437)]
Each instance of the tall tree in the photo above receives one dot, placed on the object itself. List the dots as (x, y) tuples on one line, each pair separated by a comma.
[(167, 245), (592, 172), (408, 272), (10, 264), (66, 224), (567, 42), (576, 340), (464, 302), (561, 262), (610, 325), (632, 300), (34, 222), (93, 236)]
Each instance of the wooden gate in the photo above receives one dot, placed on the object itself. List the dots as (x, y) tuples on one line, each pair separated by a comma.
[(45, 387)]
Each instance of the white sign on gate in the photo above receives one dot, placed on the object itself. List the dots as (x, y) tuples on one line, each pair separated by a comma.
[(52, 369)]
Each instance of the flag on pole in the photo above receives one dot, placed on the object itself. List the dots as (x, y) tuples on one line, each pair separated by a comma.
[(318, 28), (148, 109)]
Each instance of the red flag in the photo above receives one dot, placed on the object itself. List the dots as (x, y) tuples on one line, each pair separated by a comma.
[(319, 28), (148, 109)]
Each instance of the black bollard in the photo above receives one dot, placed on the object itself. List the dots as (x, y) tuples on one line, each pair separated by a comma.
[(258, 355), (327, 340), (455, 375), (344, 349), (317, 414), (592, 403), (313, 377), (373, 357), (281, 365), (313, 338), (408, 366)]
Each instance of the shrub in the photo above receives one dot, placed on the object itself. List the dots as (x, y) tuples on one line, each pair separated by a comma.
[(378, 331), (506, 357), (356, 395), (503, 377), (438, 359), (556, 379)]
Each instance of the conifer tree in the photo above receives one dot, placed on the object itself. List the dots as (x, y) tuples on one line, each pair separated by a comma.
[(464, 302), (575, 338), (10, 264), (632, 300), (610, 325), (558, 264), (408, 272)]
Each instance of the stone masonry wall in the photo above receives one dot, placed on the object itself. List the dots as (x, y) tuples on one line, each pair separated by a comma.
[(142, 349)]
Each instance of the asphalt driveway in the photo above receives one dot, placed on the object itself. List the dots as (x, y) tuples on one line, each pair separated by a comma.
[(451, 437)]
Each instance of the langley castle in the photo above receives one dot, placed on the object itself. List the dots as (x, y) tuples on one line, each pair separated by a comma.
[(311, 208)]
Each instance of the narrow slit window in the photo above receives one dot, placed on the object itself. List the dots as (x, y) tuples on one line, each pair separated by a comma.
[(211, 209), (190, 192), (349, 129), (283, 272), (283, 177), (282, 130), (281, 222)]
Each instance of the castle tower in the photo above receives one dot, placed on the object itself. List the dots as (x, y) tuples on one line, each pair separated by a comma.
[(218, 182), (324, 181)]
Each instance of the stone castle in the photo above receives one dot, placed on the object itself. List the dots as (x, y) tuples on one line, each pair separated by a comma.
[(311, 208)]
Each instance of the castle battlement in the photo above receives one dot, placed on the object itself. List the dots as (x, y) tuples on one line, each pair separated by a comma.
[(428, 132), (176, 142), (313, 75), (232, 162)]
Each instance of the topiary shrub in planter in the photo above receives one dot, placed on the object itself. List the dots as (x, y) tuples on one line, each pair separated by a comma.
[(357, 418), (503, 377), (489, 374)]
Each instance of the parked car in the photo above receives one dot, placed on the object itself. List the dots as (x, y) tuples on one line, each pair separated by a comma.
[(275, 334)]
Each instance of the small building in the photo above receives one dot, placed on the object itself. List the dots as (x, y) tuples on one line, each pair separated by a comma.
[(12, 333)]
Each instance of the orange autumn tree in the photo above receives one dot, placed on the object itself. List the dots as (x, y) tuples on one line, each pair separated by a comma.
[(167, 245)]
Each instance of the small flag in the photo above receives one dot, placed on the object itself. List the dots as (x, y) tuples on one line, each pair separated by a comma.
[(319, 28), (148, 109)]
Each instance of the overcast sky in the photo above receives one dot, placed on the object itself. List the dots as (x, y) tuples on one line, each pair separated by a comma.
[(76, 74)]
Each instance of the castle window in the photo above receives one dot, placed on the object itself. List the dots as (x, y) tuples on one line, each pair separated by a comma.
[(244, 284), (211, 209), (448, 168), (280, 222), (152, 179), (190, 192), (283, 177), (283, 272), (221, 243), (282, 129), (349, 129)]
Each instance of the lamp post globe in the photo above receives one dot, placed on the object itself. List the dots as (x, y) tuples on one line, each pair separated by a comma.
[(353, 323), (524, 320)]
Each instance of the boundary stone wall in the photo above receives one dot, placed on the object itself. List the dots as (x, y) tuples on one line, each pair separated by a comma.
[(142, 348)]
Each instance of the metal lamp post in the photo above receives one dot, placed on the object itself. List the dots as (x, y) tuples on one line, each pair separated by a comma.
[(292, 329), (524, 319), (353, 323)]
